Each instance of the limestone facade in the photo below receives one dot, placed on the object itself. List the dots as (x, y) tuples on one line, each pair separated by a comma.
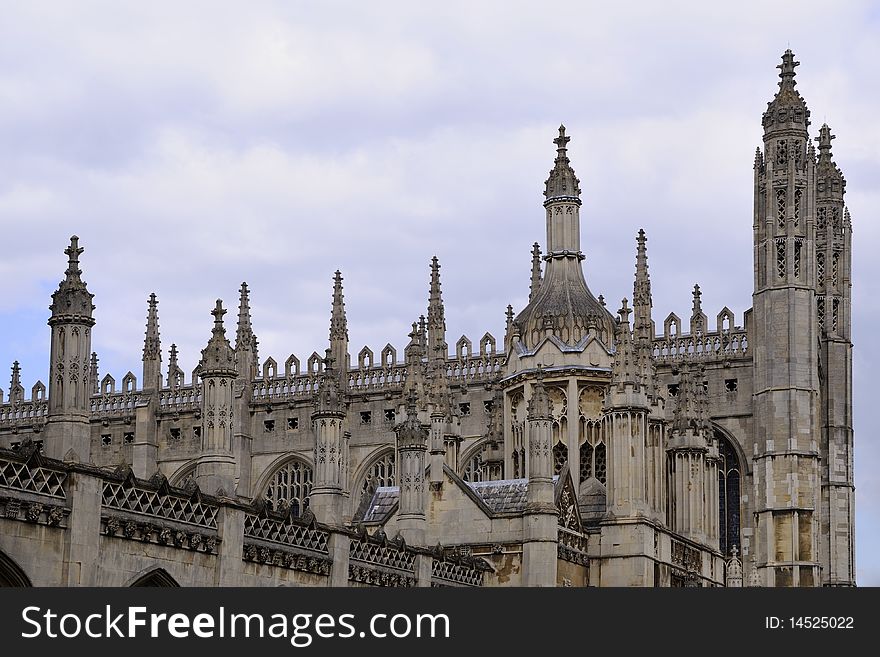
[(584, 449)]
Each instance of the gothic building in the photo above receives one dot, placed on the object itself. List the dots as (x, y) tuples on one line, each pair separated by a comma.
[(587, 448)]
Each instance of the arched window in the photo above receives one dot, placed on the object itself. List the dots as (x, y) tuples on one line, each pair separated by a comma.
[(291, 484), (560, 457), (729, 478), (380, 473), (158, 577), (11, 573)]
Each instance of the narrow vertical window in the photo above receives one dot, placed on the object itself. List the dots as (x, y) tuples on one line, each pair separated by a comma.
[(781, 153), (797, 258), (797, 206), (820, 268), (834, 268), (780, 207), (834, 314), (780, 259), (821, 217), (820, 311)]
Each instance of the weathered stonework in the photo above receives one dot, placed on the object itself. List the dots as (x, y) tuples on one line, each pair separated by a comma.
[(583, 449)]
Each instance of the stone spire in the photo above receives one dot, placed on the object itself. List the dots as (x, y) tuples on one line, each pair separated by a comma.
[(71, 322), (152, 360), (218, 357), (698, 317), (536, 270), (16, 390), (562, 305), (93, 373), (689, 416), (339, 326), (562, 182), (174, 371), (625, 368), (437, 347), (642, 300), (831, 184), (787, 113), (72, 301), (247, 360)]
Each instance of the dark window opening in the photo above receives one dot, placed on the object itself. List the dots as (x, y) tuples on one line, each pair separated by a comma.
[(268, 425), (672, 388), (175, 434), (730, 385), (389, 415), (465, 408), (197, 432), (366, 417), (293, 423), (488, 405), (128, 437), (106, 439)]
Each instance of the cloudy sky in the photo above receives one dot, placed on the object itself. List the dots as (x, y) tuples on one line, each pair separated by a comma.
[(193, 146)]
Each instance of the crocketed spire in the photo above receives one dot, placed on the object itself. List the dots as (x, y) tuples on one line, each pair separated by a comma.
[(787, 110), (536, 271), (625, 367), (830, 183), (218, 357), (152, 347), (562, 183), (437, 347), (72, 301)]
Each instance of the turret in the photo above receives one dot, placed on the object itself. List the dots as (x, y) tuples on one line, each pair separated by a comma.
[(67, 431), (247, 362), (412, 442), (331, 448), (437, 347), (215, 468), (152, 360)]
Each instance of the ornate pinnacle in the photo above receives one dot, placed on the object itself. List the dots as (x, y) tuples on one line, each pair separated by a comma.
[(338, 322), (151, 341), (410, 432), (73, 252), (218, 313), (561, 142), (786, 69), (93, 372), (436, 318), (698, 307), (244, 332), (824, 140), (624, 311), (16, 376), (536, 271)]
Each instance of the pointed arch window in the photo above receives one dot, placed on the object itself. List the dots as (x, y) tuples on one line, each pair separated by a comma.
[(729, 487), (290, 485), (560, 457)]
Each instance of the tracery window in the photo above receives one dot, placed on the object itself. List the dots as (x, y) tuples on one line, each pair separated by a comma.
[(820, 268), (780, 207), (291, 484), (797, 206), (380, 473), (820, 311), (834, 314), (601, 462), (560, 457), (780, 258), (797, 258), (586, 461), (729, 478), (835, 267)]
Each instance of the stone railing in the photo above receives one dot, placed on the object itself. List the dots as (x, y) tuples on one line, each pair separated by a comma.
[(159, 504), (31, 478), (477, 369), (446, 572), (114, 403), (184, 398), (379, 562), (24, 412), (282, 389), (706, 347), (377, 378), (572, 547), (285, 532)]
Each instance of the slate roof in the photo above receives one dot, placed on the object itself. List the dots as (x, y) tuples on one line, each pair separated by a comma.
[(384, 501)]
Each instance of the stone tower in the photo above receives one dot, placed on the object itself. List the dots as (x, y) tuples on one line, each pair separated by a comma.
[(412, 443), (215, 468), (785, 344), (833, 308), (67, 430)]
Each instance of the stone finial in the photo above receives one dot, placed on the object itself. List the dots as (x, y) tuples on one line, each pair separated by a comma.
[(16, 391), (824, 139), (218, 357), (72, 301), (338, 322), (436, 327), (152, 348), (536, 271), (328, 400), (93, 373), (539, 404), (562, 184), (698, 308), (244, 334), (786, 69)]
